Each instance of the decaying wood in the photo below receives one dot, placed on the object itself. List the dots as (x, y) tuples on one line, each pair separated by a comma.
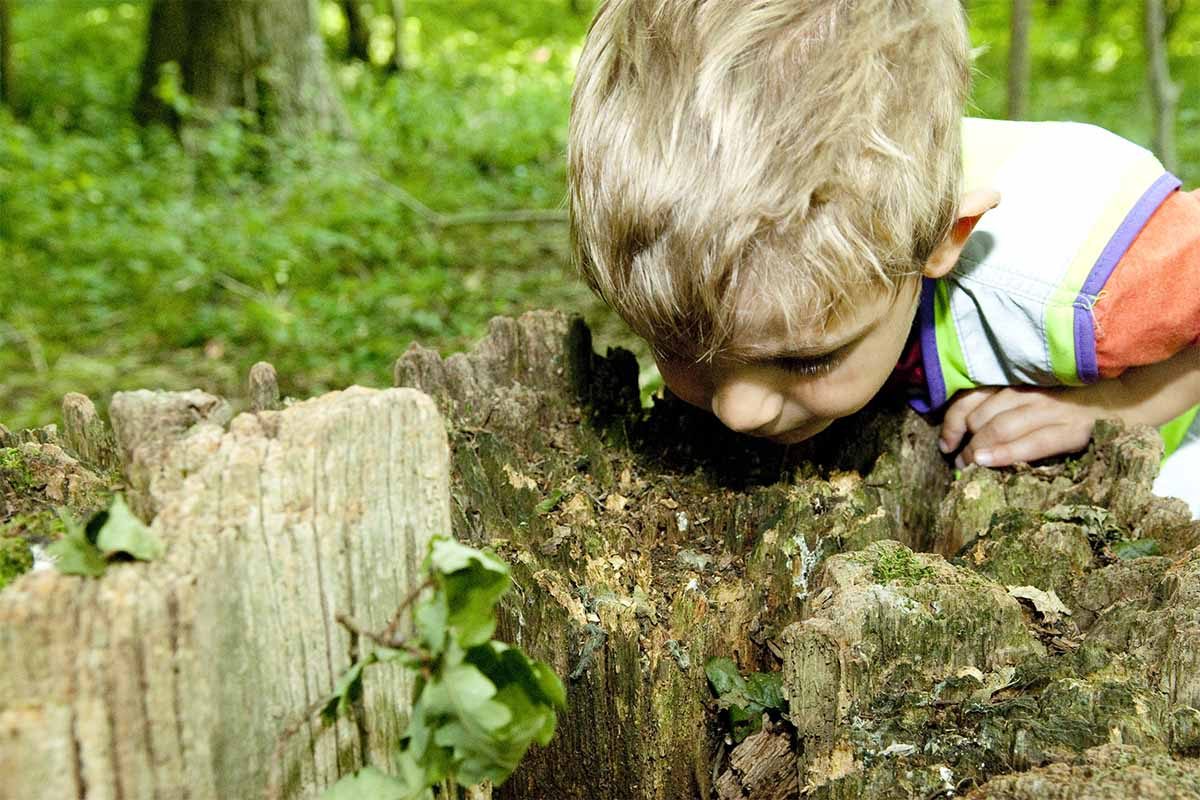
[(643, 542), (87, 434), (162, 437), (663, 541), (262, 385), (1101, 773), (173, 678), (762, 767), (646, 541)]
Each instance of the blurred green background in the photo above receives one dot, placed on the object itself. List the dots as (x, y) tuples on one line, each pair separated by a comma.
[(128, 260)]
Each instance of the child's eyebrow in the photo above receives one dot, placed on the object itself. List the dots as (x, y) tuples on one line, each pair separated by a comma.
[(811, 351)]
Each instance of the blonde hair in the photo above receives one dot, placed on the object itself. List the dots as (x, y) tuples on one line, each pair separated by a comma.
[(726, 154)]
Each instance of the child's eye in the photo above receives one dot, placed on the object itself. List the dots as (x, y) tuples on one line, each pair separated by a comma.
[(811, 366)]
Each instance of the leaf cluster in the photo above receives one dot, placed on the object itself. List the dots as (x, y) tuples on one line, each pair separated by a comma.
[(112, 535), (742, 701), (478, 703)]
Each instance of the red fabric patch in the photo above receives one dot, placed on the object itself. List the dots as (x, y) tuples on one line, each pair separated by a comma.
[(1149, 309)]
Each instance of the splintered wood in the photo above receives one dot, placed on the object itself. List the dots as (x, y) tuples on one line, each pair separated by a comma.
[(172, 679)]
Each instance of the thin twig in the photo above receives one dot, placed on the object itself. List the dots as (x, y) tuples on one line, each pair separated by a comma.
[(389, 633), (377, 637)]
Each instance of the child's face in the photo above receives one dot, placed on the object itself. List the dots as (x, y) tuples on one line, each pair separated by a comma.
[(799, 385)]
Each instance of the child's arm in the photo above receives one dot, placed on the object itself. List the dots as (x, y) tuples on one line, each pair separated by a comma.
[(1028, 423)]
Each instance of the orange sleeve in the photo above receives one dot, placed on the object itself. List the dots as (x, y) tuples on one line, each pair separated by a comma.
[(1150, 306)]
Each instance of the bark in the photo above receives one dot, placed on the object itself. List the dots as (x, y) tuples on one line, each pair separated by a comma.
[(1164, 93), (173, 678), (762, 767), (262, 387), (358, 34), (1018, 59), (264, 56), (648, 541), (1101, 773), (6, 77), (663, 541), (86, 433)]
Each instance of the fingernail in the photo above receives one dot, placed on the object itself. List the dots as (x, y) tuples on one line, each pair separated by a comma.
[(958, 462), (944, 445), (983, 458)]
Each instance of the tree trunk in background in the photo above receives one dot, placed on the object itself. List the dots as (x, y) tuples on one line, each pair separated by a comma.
[(1092, 20), (262, 55), (398, 19), (358, 34), (1018, 60), (5, 54), (1163, 92)]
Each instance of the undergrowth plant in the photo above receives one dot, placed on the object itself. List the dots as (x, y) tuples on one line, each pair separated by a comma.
[(478, 704)]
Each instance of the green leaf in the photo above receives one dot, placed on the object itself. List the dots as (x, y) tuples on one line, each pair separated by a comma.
[(122, 532), (447, 555), (471, 595), (744, 721), (371, 784), (75, 555), (1136, 548), (766, 689), (550, 684), (548, 505), (723, 676), (429, 617), (346, 691)]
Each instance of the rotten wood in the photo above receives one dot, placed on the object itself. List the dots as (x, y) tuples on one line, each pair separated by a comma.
[(173, 678)]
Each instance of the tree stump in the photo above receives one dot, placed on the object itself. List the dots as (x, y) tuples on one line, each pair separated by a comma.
[(1048, 622), (174, 678), (647, 540)]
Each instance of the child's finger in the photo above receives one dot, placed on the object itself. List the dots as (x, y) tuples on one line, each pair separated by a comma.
[(1008, 424), (1051, 440), (954, 423), (1000, 402)]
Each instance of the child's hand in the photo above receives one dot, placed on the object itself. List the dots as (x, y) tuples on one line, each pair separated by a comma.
[(1027, 423), (1019, 424)]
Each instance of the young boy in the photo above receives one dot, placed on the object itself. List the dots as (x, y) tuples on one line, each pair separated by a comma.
[(782, 198)]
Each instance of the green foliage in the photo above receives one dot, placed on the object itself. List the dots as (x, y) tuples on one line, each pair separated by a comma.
[(15, 559), (479, 704), (112, 534), (742, 701)]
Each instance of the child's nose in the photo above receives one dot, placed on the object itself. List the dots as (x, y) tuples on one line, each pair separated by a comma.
[(745, 406)]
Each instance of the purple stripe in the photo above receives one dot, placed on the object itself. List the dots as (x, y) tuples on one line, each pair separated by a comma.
[(1130, 227), (931, 363)]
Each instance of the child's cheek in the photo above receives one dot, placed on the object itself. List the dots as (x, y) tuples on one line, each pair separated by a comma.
[(837, 395), (686, 383)]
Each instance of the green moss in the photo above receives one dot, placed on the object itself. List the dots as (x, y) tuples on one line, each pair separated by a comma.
[(15, 559), (14, 469), (899, 564), (42, 526)]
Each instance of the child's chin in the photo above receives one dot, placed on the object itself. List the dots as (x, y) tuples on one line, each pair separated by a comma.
[(800, 434)]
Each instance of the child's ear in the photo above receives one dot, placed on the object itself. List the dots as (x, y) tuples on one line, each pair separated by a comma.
[(971, 209)]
